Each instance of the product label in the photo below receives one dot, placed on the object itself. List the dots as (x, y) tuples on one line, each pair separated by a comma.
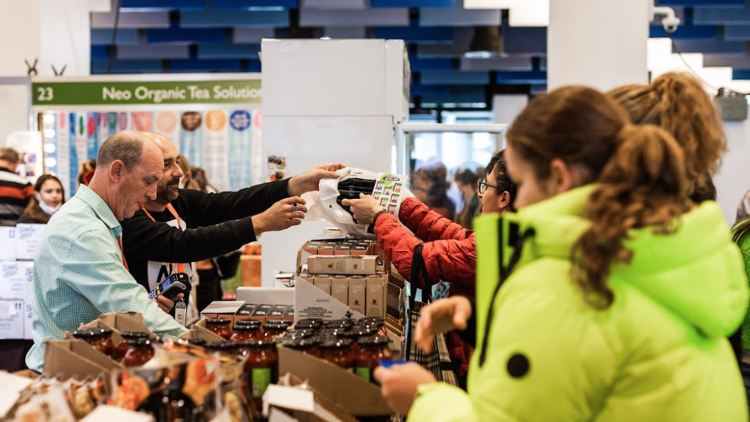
[(363, 373), (180, 313), (261, 381)]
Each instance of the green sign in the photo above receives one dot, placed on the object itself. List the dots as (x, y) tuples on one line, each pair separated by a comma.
[(148, 93)]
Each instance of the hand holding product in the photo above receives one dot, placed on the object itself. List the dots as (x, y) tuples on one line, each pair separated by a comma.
[(439, 317), (282, 215), (311, 180), (399, 384), (363, 209)]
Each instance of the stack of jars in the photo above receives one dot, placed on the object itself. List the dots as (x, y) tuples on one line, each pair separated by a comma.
[(135, 349)]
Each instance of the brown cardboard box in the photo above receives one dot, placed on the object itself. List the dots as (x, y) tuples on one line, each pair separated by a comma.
[(276, 314), (357, 293), (250, 268), (119, 322), (222, 309), (376, 296), (326, 250), (343, 250), (322, 409), (307, 277), (323, 282), (344, 265), (312, 247), (76, 358), (260, 314), (289, 314), (198, 331), (359, 250), (245, 312), (340, 288), (311, 302), (357, 396)]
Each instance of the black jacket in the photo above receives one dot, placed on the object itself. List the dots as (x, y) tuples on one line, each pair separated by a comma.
[(216, 223)]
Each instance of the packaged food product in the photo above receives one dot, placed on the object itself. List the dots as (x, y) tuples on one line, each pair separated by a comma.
[(357, 294), (220, 326), (261, 368), (123, 346), (323, 282), (304, 345), (371, 351), (338, 352), (272, 331), (245, 332), (138, 353), (354, 334), (99, 338)]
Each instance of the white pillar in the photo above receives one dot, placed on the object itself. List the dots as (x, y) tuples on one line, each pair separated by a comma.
[(598, 43), (505, 108)]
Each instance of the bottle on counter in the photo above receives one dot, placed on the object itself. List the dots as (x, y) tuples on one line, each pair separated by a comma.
[(261, 368), (123, 347), (99, 338), (242, 333), (338, 352), (222, 327), (139, 352)]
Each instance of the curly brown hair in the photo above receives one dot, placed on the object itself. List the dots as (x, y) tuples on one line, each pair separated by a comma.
[(677, 103), (639, 170)]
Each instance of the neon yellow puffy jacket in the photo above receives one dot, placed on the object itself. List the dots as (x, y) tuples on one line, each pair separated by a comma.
[(659, 353)]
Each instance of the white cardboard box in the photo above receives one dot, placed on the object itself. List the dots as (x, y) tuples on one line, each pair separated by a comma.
[(12, 280), (7, 243), (311, 302), (28, 237), (11, 319), (27, 267)]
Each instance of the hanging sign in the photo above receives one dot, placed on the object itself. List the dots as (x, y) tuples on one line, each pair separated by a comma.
[(149, 93)]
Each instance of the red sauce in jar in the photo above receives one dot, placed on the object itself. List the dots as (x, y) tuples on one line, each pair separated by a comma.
[(261, 368), (222, 327), (139, 352)]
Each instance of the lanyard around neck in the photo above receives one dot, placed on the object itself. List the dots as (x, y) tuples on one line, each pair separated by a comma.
[(180, 268)]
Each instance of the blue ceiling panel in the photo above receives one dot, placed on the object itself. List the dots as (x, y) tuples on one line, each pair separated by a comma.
[(454, 77), (234, 18), (418, 65), (685, 32), (411, 3), (737, 33), (254, 4), (145, 5), (741, 74), (99, 52), (721, 16), (127, 66), (193, 65), (228, 51), (417, 89), (457, 94), (712, 3), (124, 37), (515, 77), (711, 47), (525, 40), (422, 35), (197, 35)]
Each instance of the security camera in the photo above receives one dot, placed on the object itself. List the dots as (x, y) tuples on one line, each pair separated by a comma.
[(670, 22)]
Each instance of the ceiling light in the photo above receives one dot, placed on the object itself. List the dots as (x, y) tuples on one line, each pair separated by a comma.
[(486, 43)]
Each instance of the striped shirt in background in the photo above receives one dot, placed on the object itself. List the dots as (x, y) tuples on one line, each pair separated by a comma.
[(15, 192)]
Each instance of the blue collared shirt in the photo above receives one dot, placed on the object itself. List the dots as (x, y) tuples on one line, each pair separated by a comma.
[(79, 275)]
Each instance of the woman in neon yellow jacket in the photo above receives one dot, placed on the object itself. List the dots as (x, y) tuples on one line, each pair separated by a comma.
[(616, 297)]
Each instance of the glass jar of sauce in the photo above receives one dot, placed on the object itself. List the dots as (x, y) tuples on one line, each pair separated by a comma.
[(377, 324), (99, 338), (371, 351), (249, 322), (309, 325), (224, 347), (354, 334), (123, 347), (241, 333), (338, 352), (304, 345), (261, 368), (139, 352), (334, 323), (273, 331), (222, 327)]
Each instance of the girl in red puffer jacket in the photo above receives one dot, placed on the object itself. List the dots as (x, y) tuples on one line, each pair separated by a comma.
[(449, 251)]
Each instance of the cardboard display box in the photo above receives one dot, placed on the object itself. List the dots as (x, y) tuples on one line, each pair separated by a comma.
[(300, 403), (311, 302), (342, 265), (119, 322), (222, 309), (376, 296), (323, 282), (357, 294), (245, 312), (357, 396), (198, 331), (340, 289), (76, 358)]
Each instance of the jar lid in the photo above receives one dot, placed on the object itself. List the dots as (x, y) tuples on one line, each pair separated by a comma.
[(278, 322), (340, 322), (245, 327), (275, 327), (312, 320), (259, 344), (134, 334), (336, 344), (217, 321), (298, 335), (88, 333), (354, 332), (138, 341), (300, 343), (373, 341), (301, 331), (308, 324), (221, 345), (249, 322)]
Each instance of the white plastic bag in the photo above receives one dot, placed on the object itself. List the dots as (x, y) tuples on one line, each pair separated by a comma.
[(390, 189)]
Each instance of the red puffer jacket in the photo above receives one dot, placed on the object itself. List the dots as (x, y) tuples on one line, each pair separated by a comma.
[(449, 254)]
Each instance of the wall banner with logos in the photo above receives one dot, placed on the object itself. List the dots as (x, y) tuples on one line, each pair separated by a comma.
[(215, 124)]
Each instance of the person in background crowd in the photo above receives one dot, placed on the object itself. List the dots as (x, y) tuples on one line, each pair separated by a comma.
[(80, 271), (187, 181), (677, 103), (743, 209), (430, 186), (15, 190), (180, 226), (468, 184), (199, 175), (49, 195), (611, 302), (449, 250), (86, 172)]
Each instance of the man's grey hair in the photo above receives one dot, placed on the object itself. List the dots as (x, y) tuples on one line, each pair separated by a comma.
[(126, 146)]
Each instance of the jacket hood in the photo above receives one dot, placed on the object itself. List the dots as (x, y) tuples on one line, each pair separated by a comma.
[(696, 272)]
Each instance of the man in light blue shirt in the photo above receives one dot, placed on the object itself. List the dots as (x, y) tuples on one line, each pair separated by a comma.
[(79, 271)]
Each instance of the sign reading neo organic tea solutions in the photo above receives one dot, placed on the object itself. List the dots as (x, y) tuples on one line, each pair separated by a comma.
[(148, 93)]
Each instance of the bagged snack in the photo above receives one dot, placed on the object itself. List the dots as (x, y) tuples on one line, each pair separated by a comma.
[(326, 204), (47, 407)]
